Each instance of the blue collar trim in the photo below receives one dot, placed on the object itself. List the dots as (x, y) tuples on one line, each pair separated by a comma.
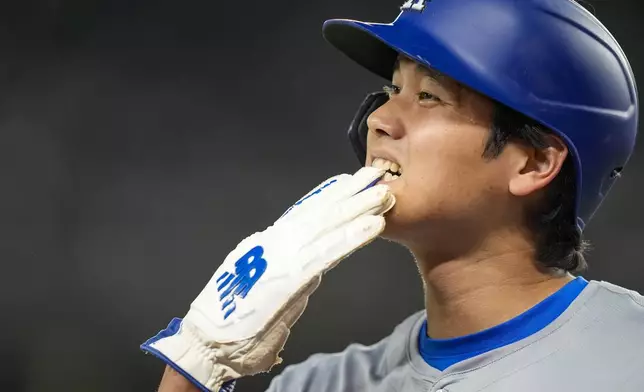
[(442, 353)]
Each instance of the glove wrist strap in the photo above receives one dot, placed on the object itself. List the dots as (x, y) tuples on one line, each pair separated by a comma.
[(181, 348)]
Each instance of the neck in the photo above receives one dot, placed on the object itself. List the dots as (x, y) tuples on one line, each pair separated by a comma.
[(484, 289)]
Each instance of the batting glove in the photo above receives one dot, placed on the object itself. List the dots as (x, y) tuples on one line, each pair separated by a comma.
[(239, 323)]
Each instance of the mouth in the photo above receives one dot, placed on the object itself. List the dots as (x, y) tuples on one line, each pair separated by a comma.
[(394, 170)]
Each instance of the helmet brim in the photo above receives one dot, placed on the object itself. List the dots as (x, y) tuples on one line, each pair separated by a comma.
[(366, 44), (376, 46)]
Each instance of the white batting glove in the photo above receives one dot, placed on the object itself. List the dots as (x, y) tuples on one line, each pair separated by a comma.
[(239, 323)]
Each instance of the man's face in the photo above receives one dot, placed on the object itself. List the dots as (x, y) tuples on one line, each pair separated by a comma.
[(435, 131)]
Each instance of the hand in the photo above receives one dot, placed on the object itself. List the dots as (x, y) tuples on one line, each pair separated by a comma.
[(239, 323)]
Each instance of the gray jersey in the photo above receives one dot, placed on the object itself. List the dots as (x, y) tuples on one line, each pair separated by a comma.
[(596, 345)]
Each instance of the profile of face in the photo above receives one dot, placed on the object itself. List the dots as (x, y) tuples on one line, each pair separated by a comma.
[(434, 131)]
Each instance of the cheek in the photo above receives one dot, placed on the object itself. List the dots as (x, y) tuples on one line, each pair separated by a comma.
[(446, 172), (448, 159)]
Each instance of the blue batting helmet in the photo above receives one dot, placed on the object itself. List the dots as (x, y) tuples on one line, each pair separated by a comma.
[(551, 60)]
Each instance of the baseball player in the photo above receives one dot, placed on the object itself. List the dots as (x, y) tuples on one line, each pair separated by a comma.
[(501, 129)]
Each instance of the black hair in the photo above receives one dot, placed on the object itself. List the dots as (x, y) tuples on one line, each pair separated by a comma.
[(559, 243)]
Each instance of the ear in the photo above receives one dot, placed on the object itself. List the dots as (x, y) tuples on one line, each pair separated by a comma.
[(538, 166)]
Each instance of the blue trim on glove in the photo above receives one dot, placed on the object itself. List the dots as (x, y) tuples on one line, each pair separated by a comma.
[(172, 329)]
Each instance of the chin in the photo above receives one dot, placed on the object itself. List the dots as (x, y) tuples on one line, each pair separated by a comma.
[(408, 227), (395, 226)]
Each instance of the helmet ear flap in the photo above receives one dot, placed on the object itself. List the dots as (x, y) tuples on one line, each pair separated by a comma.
[(358, 129)]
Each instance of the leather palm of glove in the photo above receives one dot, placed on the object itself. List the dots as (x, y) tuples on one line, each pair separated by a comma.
[(239, 323)]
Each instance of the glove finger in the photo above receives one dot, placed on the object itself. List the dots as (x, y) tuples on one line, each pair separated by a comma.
[(372, 201), (364, 178), (318, 193), (327, 251), (333, 190)]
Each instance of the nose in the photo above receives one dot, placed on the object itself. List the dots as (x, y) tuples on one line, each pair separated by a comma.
[(385, 121)]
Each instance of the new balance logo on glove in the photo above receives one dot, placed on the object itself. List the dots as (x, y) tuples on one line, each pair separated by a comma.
[(248, 269)]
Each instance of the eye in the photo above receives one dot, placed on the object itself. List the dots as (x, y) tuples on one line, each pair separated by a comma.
[(424, 96), (391, 89)]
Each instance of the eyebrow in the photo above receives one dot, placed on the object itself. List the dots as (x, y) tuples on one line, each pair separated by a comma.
[(430, 72), (443, 81)]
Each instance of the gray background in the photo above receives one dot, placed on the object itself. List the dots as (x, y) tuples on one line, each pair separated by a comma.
[(142, 140)]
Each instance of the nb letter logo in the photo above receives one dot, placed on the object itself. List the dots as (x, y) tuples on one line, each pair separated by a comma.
[(415, 5), (248, 269)]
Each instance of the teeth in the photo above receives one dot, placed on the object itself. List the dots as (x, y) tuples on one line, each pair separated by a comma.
[(388, 177), (386, 165), (394, 176)]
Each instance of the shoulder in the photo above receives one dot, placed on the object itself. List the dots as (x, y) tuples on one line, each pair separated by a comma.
[(357, 364), (625, 299), (617, 315), (606, 334)]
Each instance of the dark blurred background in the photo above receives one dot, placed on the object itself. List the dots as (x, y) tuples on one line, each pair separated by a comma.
[(142, 140)]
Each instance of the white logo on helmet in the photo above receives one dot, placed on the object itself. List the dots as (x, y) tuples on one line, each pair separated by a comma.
[(414, 5)]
